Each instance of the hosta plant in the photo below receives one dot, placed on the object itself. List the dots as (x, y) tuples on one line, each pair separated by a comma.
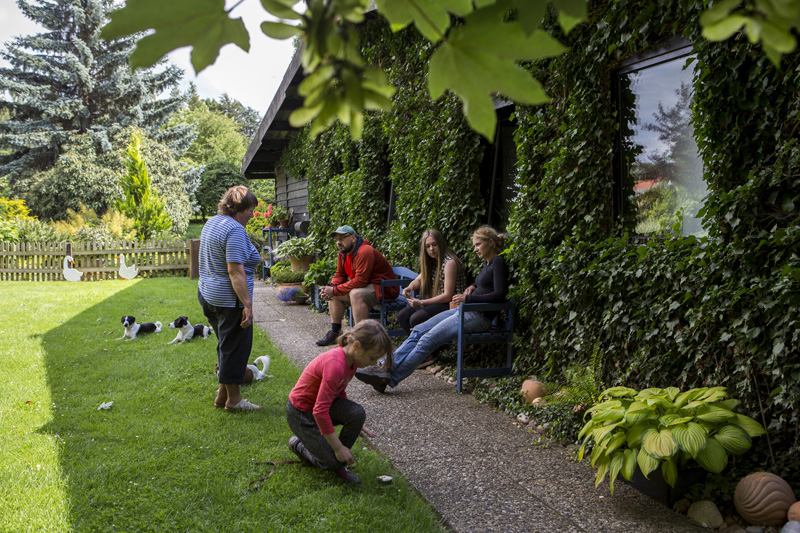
[(664, 428)]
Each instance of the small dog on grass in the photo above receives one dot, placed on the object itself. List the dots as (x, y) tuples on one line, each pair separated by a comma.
[(133, 328), (186, 331)]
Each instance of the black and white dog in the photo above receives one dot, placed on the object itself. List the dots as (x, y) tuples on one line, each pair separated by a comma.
[(133, 328), (186, 331)]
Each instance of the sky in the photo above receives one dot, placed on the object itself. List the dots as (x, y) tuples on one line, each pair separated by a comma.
[(252, 78)]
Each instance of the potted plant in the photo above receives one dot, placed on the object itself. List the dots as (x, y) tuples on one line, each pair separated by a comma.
[(664, 428), (280, 215), (319, 274), (282, 273), (300, 251), (292, 293)]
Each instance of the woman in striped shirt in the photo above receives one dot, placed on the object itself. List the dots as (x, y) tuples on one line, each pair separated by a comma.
[(227, 264)]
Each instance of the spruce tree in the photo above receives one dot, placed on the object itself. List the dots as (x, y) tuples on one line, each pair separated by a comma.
[(68, 81)]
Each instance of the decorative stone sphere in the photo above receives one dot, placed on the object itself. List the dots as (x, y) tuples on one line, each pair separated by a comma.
[(763, 499), (532, 389), (794, 512)]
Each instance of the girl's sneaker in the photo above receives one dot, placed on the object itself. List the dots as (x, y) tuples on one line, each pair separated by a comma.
[(347, 476)]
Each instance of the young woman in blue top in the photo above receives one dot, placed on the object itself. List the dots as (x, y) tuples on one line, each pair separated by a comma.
[(227, 264), (491, 285)]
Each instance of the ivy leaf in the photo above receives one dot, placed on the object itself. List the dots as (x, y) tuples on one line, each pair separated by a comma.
[(431, 17), (479, 59), (202, 24)]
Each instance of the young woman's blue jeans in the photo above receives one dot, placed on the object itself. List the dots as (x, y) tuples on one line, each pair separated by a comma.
[(428, 336)]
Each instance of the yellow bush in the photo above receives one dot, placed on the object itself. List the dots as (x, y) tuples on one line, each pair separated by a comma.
[(14, 209)]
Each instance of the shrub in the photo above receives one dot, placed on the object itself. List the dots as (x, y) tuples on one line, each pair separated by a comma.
[(665, 428), (32, 230)]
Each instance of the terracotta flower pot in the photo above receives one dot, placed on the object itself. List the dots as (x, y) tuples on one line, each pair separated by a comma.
[(284, 223), (532, 389), (301, 264)]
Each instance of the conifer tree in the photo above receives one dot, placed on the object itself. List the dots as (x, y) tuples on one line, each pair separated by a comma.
[(68, 81), (141, 202)]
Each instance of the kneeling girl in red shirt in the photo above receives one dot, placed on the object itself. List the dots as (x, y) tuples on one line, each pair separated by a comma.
[(318, 401)]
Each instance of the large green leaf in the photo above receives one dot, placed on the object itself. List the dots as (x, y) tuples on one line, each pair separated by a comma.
[(751, 426), (670, 472), (734, 439), (646, 462), (619, 392), (602, 470), (617, 440), (202, 24), (609, 414), (713, 457), (634, 437), (673, 419), (659, 443), (713, 414), (479, 59), (613, 468), (431, 17), (628, 464), (691, 437)]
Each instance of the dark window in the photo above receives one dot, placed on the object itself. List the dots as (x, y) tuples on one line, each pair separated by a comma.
[(658, 172), (499, 170)]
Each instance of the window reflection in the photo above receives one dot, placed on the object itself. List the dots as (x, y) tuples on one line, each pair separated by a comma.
[(662, 174)]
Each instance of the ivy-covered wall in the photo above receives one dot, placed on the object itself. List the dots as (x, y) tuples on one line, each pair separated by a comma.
[(721, 310)]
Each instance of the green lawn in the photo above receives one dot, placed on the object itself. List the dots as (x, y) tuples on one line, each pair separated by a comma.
[(162, 459), (194, 229)]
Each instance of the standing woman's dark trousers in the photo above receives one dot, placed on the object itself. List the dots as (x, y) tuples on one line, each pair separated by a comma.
[(412, 316), (233, 343)]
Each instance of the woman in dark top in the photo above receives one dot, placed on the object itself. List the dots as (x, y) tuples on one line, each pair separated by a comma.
[(490, 286)]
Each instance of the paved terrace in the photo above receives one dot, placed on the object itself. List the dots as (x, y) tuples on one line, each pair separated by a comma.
[(472, 464)]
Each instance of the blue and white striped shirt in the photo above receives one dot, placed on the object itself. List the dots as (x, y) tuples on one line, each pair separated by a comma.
[(222, 241)]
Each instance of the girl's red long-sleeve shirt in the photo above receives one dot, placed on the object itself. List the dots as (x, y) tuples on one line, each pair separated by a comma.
[(325, 378)]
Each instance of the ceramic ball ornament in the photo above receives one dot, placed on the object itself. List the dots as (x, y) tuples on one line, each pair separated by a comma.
[(532, 389), (763, 499)]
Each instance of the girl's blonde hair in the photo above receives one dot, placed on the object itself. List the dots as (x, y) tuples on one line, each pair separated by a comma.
[(431, 268), (489, 234), (373, 338)]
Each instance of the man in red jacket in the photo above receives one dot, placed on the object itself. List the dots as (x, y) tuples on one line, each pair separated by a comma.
[(359, 271)]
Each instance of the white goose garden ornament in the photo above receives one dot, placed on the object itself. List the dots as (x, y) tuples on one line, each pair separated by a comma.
[(70, 274), (127, 272)]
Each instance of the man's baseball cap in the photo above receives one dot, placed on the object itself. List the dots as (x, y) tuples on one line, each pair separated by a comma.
[(342, 230)]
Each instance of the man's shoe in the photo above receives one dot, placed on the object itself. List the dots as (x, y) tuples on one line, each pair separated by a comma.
[(348, 476), (329, 338), (378, 380)]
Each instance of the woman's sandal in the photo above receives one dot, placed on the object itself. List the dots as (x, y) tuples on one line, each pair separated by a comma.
[(244, 405)]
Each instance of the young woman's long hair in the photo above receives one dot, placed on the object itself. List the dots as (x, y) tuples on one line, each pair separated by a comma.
[(373, 338), (489, 234), (431, 268)]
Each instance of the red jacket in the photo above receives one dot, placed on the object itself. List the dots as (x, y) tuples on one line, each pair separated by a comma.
[(370, 267)]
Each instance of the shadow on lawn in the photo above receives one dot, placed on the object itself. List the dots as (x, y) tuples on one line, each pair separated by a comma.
[(162, 447)]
